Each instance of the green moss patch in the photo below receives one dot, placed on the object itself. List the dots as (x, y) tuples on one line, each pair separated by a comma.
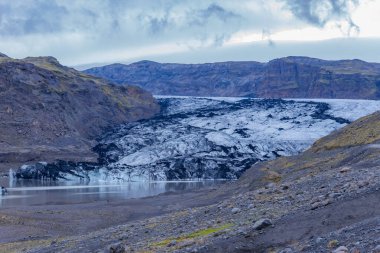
[(194, 235)]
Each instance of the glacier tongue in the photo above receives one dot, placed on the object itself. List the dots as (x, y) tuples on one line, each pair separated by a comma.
[(220, 138), (213, 138)]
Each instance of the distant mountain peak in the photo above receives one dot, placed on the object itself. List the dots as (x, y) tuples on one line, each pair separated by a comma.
[(145, 62), (43, 61), (299, 59), (3, 55)]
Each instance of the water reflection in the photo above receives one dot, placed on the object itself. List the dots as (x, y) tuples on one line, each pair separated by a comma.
[(32, 192)]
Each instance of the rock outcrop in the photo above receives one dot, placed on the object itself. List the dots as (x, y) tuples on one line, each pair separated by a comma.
[(290, 77), (49, 111)]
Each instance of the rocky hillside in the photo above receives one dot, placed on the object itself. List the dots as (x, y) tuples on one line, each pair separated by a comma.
[(49, 111), (290, 77)]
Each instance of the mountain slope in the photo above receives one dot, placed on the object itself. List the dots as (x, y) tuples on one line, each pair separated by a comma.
[(290, 77), (361, 132), (49, 111)]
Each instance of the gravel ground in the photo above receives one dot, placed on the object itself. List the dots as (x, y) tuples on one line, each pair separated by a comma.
[(313, 209)]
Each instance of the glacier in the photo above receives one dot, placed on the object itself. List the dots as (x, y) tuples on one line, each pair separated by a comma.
[(212, 138)]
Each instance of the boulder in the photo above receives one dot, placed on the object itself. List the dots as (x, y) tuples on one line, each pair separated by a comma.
[(261, 224)]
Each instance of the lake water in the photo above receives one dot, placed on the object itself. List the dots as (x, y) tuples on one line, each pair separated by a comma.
[(25, 193)]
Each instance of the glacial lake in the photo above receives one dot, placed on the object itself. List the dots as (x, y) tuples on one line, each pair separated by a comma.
[(25, 193)]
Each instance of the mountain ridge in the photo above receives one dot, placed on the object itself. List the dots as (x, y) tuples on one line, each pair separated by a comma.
[(288, 77)]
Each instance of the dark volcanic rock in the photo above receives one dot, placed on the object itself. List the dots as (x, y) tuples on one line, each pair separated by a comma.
[(290, 77), (50, 112), (261, 224), (56, 170)]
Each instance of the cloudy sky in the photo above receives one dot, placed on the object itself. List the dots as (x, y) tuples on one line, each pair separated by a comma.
[(87, 32)]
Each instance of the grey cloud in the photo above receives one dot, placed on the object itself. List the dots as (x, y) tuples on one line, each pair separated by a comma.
[(207, 23), (156, 23), (319, 12), (224, 23), (220, 39), (200, 17), (352, 27), (28, 18), (104, 17), (266, 35), (192, 17)]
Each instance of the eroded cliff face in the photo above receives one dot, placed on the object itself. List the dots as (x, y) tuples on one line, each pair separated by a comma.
[(50, 112), (295, 77), (290, 77)]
